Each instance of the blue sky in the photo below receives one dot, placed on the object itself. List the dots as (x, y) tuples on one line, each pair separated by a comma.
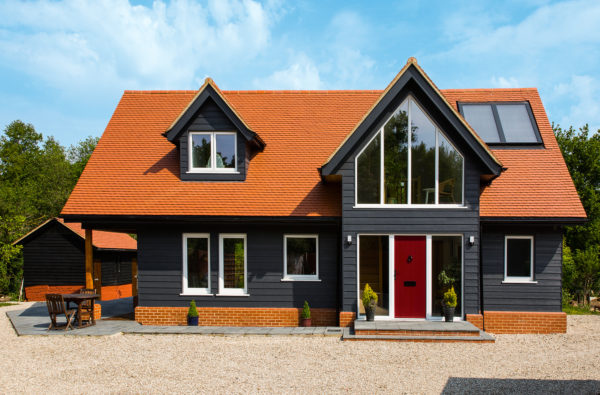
[(65, 64)]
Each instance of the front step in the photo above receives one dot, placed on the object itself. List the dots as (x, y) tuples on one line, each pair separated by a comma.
[(416, 331)]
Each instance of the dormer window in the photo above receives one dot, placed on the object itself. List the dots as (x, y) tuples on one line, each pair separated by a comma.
[(212, 152)]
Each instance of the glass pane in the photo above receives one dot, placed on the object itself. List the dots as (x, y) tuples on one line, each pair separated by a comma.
[(374, 270), (481, 118), (516, 123), (368, 176), (225, 151), (302, 255), (233, 262), (450, 172), (423, 156), (518, 260), (446, 265), (201, 150), (197, 263), (396, 157)]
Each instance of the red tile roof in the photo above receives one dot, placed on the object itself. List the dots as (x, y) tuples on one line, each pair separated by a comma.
[(135, 169), (102, 239)]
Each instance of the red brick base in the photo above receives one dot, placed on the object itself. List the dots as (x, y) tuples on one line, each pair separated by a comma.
[(524, 322), (37, 293), (233, 316), (476, 319), (347, 318)]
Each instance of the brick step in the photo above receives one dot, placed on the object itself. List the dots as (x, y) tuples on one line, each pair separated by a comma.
[(408, 332), (481, 337)]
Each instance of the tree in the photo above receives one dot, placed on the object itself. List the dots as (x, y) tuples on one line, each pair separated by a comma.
[(11, 267), (581, 272)]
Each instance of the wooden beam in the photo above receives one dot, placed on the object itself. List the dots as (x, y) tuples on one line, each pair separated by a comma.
[(89, 260), (134, 281)]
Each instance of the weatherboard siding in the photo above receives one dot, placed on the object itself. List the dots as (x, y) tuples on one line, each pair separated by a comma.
[(160, 266), (543, 296)]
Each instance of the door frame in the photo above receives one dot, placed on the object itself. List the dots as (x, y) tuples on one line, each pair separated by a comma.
[(428, 284)]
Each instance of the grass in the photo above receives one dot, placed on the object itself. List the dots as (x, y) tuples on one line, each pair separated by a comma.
[(579, 310), (2, 304)]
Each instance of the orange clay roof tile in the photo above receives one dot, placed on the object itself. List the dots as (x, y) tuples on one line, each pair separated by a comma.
[(135, 169)]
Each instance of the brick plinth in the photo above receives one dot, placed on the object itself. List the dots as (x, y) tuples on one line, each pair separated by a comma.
[(524, 322), (233, 316), (37, 293), (476, 319), (97, 311), (347, 318)]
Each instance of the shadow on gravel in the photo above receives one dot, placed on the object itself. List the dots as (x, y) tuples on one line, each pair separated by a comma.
[(462, 385)]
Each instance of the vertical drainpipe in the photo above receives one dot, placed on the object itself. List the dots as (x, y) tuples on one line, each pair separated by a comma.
[(481, 274)]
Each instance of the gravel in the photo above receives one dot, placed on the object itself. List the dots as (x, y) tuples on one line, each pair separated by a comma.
[(290, 364)]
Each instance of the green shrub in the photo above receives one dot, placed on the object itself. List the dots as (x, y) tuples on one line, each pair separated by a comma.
[(192, 311), (305, 310), (368, 295), (450, 298)]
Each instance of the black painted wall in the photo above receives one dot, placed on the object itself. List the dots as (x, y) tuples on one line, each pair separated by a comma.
[(160, 265), (211, 118), (543, 296), (116, 267), (418, 221)]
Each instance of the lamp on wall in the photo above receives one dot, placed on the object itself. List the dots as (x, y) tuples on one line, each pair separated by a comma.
[(471, 240), (349, 239)]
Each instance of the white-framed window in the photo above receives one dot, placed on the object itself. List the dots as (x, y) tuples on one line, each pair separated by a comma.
[(518, 259), (301, 257), (196, 264), (212, 152), (409, 166), (232, 265)]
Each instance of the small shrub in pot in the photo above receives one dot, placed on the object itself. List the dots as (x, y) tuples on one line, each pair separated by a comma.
[(192, 316), (449, 304), (369, 300), (306, 320)]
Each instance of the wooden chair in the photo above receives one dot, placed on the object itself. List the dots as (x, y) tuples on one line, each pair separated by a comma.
[(446, 189), (56, 306), (86, 306)]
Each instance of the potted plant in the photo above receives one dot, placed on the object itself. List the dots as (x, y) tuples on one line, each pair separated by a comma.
[(369, 300), (449, 304), (192, 316), (306, 320)]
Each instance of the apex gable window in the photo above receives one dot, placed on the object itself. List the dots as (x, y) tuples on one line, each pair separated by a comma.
[(196, 266), (232, 265), (510, 123), (409, 166), (518, 259), (212, 152), (301, 257)]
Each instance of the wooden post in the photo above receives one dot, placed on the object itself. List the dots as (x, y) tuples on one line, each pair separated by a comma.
[(134, 281), (89, 260)]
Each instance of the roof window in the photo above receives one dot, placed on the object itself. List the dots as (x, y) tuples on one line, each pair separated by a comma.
[(509, 123)]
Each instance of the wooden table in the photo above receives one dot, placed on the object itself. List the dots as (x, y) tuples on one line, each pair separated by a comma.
[(78, 299)]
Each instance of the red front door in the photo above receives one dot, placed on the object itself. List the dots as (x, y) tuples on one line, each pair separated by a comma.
[(409, 265)]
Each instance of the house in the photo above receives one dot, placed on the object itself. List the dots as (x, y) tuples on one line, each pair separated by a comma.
[(251, 202), (54, 260)]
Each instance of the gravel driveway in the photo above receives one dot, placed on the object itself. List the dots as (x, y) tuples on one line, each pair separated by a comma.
[(189, 363)]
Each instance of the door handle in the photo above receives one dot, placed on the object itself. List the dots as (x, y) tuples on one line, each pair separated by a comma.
[(409, 259), (394, 274)]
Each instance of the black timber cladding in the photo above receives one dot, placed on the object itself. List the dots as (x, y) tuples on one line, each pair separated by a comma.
[(417, 221), (545, 295), (160, 266)]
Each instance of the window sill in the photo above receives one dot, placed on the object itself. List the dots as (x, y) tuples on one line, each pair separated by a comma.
[(519, 282), (307, 279), (226, 294), (211, 172), (191, 293), (410, 206)]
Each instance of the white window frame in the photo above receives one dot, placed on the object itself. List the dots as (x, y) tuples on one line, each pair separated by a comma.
[(300, 277), (213, 154), (519, 279), (382, 203), (232, 291), (185, 290)]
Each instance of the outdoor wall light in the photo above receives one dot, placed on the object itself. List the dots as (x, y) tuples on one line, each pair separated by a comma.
[(471, 240), (349, 239)]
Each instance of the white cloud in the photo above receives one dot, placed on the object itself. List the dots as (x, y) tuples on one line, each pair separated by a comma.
[(80, 45), (504, 82), (301, 74), (583, 94)]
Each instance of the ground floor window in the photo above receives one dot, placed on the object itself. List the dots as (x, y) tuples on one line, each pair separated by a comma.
[(446, 265), (232, 264), (374, 270), (196, 268), (518, 258), (301, 258)]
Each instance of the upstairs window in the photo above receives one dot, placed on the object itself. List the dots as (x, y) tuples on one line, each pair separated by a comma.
[(502, 123), (426, 171), (212, 152)]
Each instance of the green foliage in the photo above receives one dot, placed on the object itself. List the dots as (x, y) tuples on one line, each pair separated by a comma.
[(36, 178), (192, 311), (581, 252), (369, 296), (450, 299), (305, 310), (579, 310)]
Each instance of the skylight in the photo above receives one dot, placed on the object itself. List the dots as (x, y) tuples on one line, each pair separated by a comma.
[(502, 123)]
